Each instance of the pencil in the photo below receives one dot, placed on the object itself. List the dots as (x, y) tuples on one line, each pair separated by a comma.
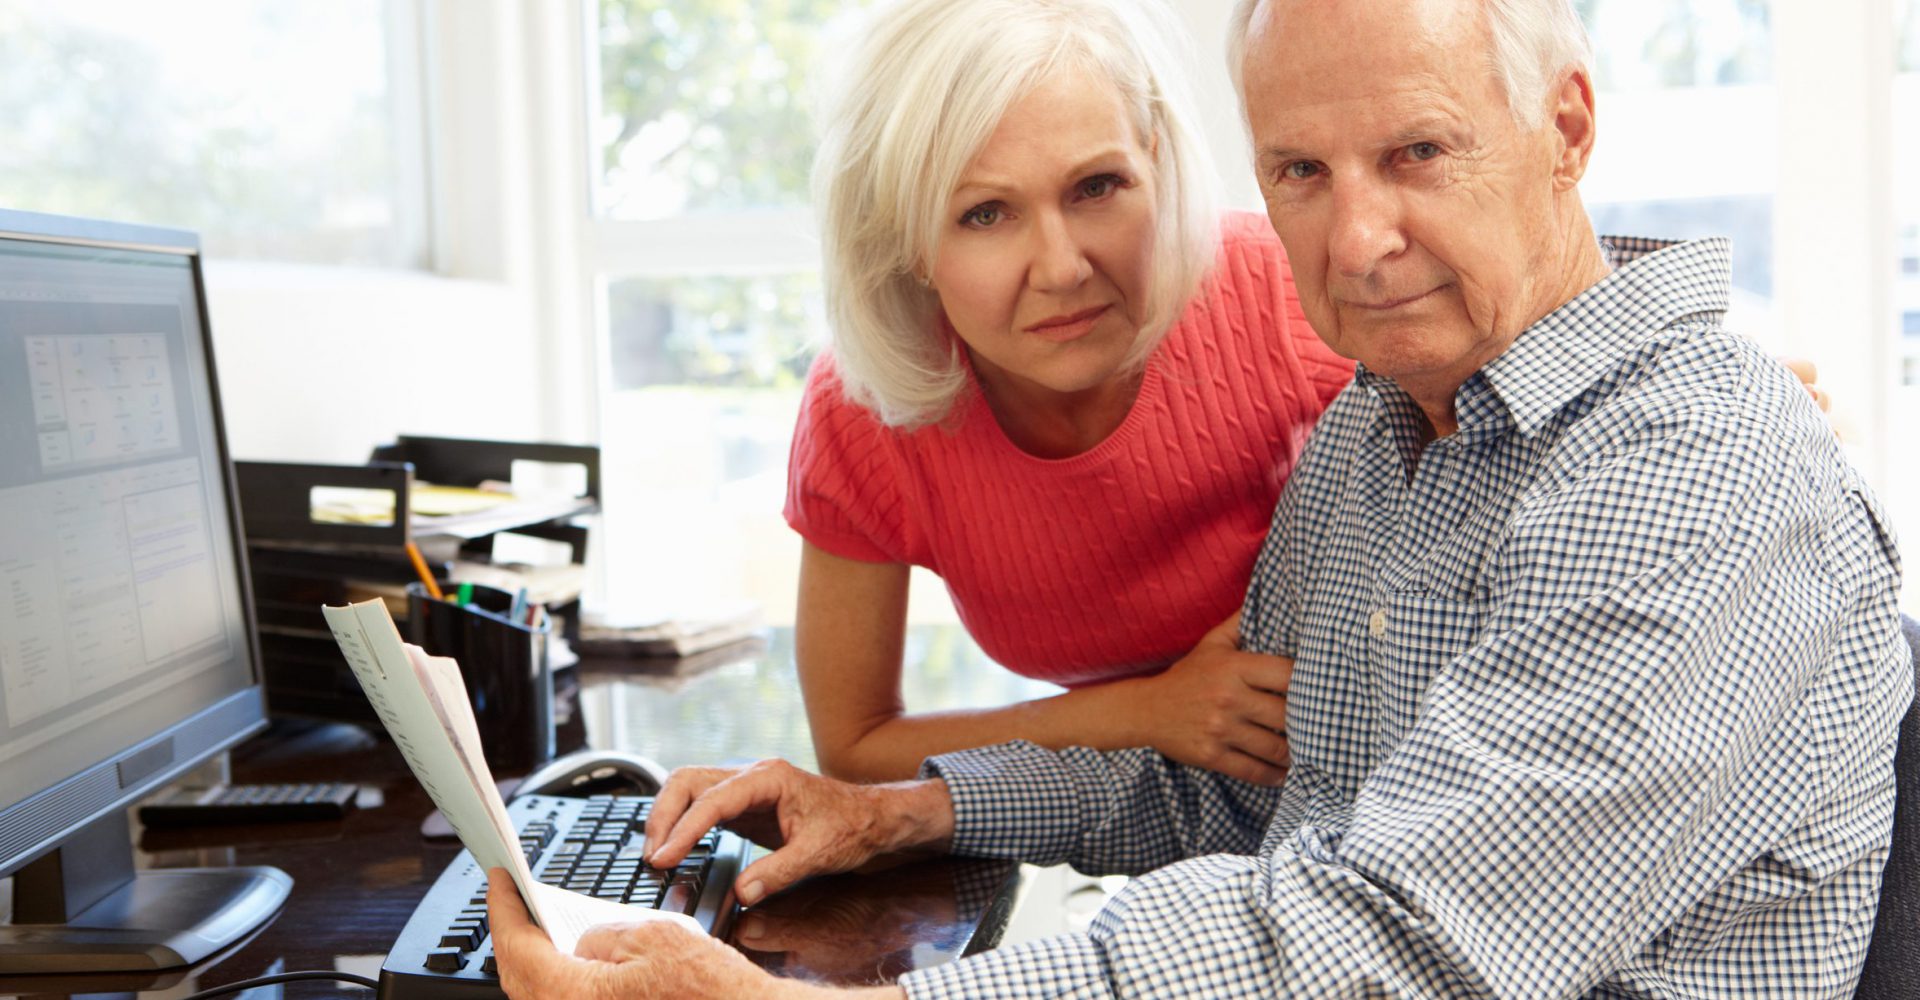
[(420, 567)]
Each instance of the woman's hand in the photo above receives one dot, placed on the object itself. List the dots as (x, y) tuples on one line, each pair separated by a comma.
[(815, 825), (1220, 708), (1809, 376)]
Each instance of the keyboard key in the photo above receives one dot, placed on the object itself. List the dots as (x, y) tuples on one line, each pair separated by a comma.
[(679, 898), (446, 959)]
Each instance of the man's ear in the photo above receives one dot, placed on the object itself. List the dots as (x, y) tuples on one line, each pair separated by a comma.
[(1573, 124)]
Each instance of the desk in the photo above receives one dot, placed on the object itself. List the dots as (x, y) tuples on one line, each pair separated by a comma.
[(356, 881)]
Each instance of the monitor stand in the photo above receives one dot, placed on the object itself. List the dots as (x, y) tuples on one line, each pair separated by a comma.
[(83, 909)]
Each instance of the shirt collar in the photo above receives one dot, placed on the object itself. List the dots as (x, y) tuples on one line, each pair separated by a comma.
[(1654, 283)]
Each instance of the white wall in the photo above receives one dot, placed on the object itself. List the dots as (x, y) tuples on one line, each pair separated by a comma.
[(321, 364), (1219, 107)]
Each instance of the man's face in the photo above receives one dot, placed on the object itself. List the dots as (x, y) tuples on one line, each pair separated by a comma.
[(1418, 215)]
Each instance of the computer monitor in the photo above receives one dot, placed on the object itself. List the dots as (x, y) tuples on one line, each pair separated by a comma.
[(127, 651)]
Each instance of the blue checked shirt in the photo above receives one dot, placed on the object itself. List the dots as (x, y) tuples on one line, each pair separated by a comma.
[(1596, 696)]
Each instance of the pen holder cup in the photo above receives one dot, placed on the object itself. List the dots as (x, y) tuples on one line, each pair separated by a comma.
[(504, 664)]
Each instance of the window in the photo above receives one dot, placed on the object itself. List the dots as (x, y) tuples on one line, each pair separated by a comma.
[(1674, 77), (707, 273), (277, 129), (1906, 195), (705, 379), (701, 142), (703, 109), (1903, 406)]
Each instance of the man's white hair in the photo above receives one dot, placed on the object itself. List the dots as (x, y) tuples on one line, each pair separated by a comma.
[(916, 99), (1533, 42)]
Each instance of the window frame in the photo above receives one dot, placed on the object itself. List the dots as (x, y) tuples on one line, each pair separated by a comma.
[(1834, 241)]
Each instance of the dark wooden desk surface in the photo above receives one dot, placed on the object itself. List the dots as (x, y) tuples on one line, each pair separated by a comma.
[(356, 881)]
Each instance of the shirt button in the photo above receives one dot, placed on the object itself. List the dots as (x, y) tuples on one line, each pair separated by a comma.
[(1377, 624)]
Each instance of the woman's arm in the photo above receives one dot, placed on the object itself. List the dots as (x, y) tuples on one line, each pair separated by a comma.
[(1217, 708)]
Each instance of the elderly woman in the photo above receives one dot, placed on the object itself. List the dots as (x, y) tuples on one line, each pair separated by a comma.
[(1059, 380)]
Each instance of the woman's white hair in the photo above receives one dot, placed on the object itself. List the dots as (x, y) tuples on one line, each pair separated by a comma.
[(1533, 42), (919, 94)]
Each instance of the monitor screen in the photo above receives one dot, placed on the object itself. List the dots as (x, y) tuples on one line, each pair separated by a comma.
[(121, 606), (127, 653)]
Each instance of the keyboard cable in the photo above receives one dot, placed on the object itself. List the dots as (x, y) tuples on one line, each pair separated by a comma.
[(284, 977)]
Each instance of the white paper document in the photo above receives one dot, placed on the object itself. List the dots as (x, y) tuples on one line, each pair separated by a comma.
[(423, 703)]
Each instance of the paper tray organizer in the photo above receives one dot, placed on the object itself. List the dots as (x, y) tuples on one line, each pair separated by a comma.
[(299, 564)]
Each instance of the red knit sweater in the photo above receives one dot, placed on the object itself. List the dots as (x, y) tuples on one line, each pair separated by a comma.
[(1113, 562)]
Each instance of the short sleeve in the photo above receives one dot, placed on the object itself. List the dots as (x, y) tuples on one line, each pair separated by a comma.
[(844, 475), (1329, 373), (1319, 374)]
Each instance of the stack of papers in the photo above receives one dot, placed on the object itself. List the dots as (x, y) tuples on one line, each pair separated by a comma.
[(709, 628), (423, 703), (433, 509), (361, 505)]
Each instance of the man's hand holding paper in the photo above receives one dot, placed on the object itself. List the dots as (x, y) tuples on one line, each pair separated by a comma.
[(422, 701)]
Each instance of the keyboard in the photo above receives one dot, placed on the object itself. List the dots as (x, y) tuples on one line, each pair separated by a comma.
[(587, 845), (250, 804)]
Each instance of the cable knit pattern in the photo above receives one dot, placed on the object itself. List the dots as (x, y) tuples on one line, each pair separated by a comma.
[(1115, 561)]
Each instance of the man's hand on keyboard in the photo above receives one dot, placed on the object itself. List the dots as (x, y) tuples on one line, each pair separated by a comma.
[(814, 824)]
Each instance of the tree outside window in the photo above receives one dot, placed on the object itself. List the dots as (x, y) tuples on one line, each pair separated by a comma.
[(704, 127), (704, 103), (269, 127), (1666, 72)]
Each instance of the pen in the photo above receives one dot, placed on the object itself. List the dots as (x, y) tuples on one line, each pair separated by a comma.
[(464, 596), (519, 605), (420, 567)]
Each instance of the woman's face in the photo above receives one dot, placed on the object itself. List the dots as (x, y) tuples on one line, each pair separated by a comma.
[(1047, 251)]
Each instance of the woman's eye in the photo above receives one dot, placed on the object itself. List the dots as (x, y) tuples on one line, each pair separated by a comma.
[(981, 216), (1099, 187), (1423, 151), (1299, 170)]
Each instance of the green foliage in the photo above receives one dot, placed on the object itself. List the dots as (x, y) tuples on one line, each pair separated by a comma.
[(1910, 38), (717, 331), (705, 107), (1679, 43), (91, 124), (704, 102)]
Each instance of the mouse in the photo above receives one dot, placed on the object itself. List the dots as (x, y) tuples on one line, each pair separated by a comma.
[(594, 772)]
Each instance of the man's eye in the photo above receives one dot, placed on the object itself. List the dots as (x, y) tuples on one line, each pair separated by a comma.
[(1300, 170), (981, 216), (1423, 151)]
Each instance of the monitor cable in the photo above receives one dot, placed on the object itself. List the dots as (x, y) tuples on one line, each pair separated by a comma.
[(284, 977)]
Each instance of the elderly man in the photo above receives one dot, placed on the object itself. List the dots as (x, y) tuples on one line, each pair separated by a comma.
[(1596, 666)]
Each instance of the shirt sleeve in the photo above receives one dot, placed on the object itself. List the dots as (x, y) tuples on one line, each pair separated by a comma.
[(1326, 372), (1319, 374), (1123, 812), (843, 476), (1670, 680)]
